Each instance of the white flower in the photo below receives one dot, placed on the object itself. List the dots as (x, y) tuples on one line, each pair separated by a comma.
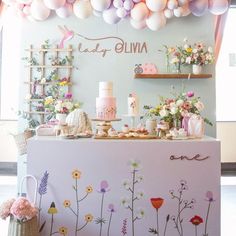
[(126, 184), (140, 194), (210, 50), (125, 201), (43, 81), (185, 40), (194, 50), (186, 46), (179, 102), (58, 106), (140, 213), (199, 105), (173, 110), (188, 60), (174, 60), (139, 178), (164, 113), (134, 164), (68, 105)]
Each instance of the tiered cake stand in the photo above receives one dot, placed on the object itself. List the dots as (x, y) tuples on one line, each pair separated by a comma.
[(104, 124)]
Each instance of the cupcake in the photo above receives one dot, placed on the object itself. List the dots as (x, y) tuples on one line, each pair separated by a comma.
[(125, 129)]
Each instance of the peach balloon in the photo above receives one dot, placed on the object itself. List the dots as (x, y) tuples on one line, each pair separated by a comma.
[(82, 9), (156, 21), (168, 13), (172, 4), (139, 12), (156, 5)]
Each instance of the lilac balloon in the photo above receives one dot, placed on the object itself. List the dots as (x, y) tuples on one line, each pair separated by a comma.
[(128, 5), (198, 7), (218, 7), (121, 12), (118, 3), (110, 17), (70, 1)]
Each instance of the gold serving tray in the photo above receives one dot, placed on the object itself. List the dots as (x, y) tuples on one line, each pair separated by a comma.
[(127, 138)]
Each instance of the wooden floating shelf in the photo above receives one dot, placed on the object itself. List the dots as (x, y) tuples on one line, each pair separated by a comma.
[(49, 66), (35, 100), (47, 83), (49, 50), (38, 112), (172, 76)]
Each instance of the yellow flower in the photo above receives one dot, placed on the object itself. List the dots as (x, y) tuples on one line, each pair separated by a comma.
[(189, 50), (52, 210), (89, 189), (88, 218), (67, 203), (63, 230), (76, 174)]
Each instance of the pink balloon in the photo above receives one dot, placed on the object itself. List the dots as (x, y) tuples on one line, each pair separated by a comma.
[(140, 11), (54, 4), (218, 7), (70, 1), (198, 7)]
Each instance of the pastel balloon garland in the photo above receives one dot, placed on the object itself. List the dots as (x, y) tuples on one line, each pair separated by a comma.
[(152, 14)]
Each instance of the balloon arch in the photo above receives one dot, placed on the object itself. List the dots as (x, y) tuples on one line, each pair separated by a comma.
[(152, 14)]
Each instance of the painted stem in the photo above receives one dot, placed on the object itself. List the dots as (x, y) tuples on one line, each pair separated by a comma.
[(82, 227), (132, 204), (39, 216), (157, 223), (195, 230), (101, 214), (109, 225), (77, 207), (206, 221), (83, 198), (51, 225), (179, 216), (165, 228)]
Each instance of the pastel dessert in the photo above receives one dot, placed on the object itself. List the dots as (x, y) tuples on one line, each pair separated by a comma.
[(133, 105), (112, 132), (106, 103), (125, 129)]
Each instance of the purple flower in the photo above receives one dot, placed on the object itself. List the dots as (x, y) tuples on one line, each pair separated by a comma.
[(209, 196), (68, 95), (190, 94), (111, 208), (43, 184), (104, 187)]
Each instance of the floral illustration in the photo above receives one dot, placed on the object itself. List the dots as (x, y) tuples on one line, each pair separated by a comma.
[(129, 203), (111, 209), (210, 199), (124, 227), (157, 203), (104, 188), (196, 220), (76, 175), (182, 205), (42, 190)]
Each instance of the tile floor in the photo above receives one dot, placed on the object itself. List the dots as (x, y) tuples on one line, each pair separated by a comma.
[(228, 203)]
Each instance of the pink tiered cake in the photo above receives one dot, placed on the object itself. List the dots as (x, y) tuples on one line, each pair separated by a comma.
[(106, 103)]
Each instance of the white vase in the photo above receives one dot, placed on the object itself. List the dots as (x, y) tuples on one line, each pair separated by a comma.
[(61, 118), (151, 125), (197, 69)]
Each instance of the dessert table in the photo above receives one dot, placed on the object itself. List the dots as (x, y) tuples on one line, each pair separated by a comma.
[(91, 187)]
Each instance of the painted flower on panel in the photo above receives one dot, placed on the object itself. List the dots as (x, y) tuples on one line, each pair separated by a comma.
[(157, 202), (89, 189), (63, 230), (196, 220), (76, 174), (88, 218), (67, 203)]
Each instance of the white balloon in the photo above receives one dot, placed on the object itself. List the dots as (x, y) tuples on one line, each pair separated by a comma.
[(100, 5), (54, 4), (121, 12), (172, 4), (39, 11), (139, 12), (168, 13), (178, 12), (9, 2), (24, 1), (26, 10), (182, 2), (97, 13), (156, 5), (156, 21), (138, 24), (186, 10), (110, 17), (65, 11), (218, 7), (118, 3), (128, 5), (82, 9), (198, 7)]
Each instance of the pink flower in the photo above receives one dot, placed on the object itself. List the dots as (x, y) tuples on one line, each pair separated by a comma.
[(5, 208), (22, 209), (190, 94), (209, 196), (68, 95)]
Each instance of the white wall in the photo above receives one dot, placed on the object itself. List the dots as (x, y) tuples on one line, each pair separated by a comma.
[(119, 68)]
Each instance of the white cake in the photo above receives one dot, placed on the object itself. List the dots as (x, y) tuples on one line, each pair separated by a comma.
[(133, 105), (106, 103)]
